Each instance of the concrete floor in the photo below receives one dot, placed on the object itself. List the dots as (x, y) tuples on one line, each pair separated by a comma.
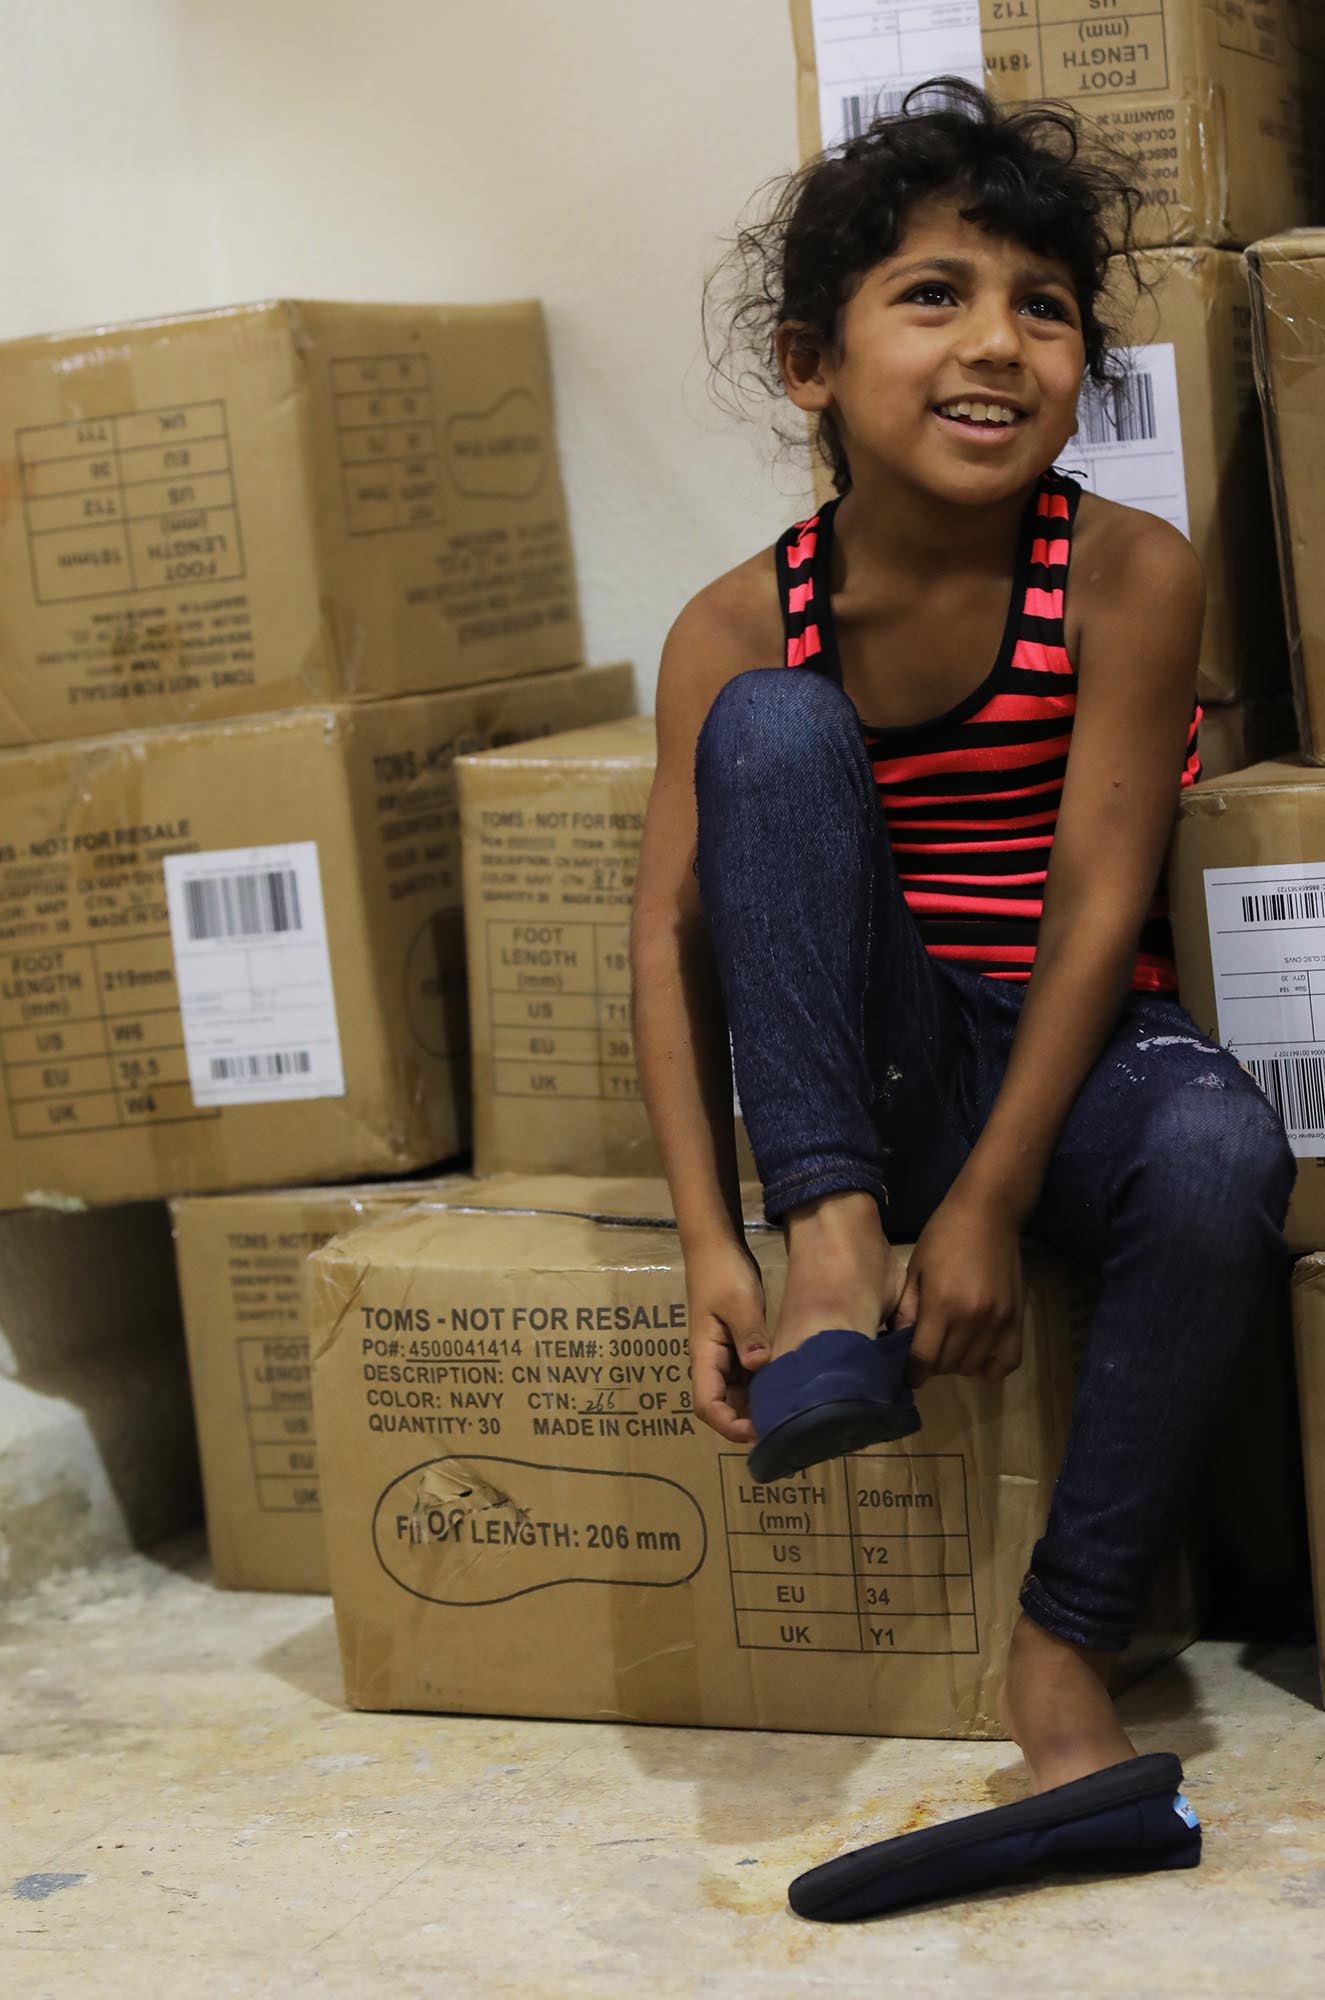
[(186, 1810)]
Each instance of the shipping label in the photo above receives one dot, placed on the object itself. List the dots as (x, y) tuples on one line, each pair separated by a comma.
[(869, 53), (1267, 952), (253, 970), (1128, 444)]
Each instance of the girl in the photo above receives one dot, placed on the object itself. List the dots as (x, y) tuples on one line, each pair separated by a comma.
[(917, 769)]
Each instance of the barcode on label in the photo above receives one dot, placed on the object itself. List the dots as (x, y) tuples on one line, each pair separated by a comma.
[(251, 905), (855, 113), (858, 112), (1295, 1085), (1122, 413), (1280, 906), (286, 1062)]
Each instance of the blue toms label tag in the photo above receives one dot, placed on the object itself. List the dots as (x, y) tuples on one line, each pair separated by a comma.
[(1186, 1813)]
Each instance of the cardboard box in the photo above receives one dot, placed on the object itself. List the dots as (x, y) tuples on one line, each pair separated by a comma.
[(275, 505), (1223, 102), (1184, 440), (1288, 324), (551, 845), (1246, 881), (1309, 1343), (240, 1259), (523, 1517), (97, 1452), (1247, 732), (232, 955)]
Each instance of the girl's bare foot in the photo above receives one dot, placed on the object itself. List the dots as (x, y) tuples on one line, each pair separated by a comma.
[(1055, 1705), (841, 1270)]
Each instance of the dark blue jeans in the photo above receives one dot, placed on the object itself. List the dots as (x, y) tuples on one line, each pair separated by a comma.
[(862, 1062)]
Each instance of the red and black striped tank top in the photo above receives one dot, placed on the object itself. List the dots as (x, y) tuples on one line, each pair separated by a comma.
[(971, 797)]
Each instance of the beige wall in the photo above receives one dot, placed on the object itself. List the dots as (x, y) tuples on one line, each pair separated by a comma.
[(161, 155)]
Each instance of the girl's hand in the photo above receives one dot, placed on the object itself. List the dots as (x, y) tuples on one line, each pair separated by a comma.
[(728, 1335), (964, 1292)]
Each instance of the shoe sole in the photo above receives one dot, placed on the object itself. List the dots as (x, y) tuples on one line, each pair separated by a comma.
[(827, 1430)]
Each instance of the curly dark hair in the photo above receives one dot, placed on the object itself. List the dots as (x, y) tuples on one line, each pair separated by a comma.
[(1020, 171)]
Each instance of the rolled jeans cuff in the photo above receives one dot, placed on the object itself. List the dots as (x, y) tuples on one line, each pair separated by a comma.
[(808, 1179), (1099, 1635)]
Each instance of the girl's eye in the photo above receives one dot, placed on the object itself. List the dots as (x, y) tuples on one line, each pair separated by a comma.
[(930, 294), (1042, 307)]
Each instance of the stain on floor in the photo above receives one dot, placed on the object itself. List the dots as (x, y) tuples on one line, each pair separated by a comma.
[(186, 1809)]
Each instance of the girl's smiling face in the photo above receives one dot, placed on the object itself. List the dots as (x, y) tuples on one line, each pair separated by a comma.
[(958, 364)]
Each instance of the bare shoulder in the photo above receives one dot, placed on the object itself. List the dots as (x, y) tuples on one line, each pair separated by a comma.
[(1126, 562), (732, 624), (1138, 609)]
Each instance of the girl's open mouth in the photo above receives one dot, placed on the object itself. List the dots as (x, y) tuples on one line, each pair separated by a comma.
[(989, 420)]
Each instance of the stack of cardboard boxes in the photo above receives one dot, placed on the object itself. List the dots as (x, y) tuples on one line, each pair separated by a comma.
[(1248, 858), (264, 574), (295, 558)]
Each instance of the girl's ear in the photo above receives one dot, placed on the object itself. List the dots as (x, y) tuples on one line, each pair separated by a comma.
[(802, 363)]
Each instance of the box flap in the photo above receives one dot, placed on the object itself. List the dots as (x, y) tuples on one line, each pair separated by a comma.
[(1273, 775), (565, 1212), (1294, 246), (629, 742)]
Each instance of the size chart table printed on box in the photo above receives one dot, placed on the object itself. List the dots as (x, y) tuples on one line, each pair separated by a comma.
[(278, 1412), (560, 997), (90, 1038), (132, 502), (1070, 48), (388, 442), (861, 1555)]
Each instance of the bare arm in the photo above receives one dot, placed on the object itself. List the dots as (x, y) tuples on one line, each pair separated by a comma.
[(681, 1038), (680, 1027), (1137, 677), (1137, 674)]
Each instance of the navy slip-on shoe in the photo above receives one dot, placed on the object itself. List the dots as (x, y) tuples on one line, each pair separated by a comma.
[(1127, 1819), (838, 1392)]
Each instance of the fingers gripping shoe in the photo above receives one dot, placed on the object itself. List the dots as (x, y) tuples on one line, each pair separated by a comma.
[(838, 1392)]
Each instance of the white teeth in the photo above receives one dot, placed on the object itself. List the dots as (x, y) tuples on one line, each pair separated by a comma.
[(980, 413)]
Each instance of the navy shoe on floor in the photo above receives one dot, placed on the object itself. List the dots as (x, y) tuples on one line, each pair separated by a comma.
[(1130, 1818), (838, 1392)]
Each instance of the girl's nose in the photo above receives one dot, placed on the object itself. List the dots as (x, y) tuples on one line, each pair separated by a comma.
[(990, 333)]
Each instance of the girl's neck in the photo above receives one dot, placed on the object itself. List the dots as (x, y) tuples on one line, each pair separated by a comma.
[(887, 527)]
